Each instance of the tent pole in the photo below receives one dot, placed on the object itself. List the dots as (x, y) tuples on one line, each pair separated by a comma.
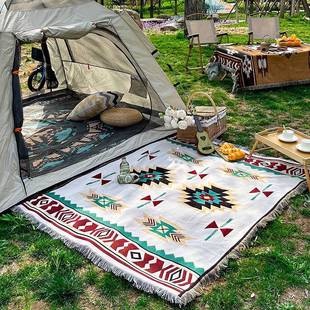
[(141, 8)]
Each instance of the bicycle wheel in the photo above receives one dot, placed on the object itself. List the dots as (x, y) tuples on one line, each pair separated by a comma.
[(36, 80)]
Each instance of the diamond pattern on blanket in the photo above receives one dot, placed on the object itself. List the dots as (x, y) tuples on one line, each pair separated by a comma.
[(157, 175), (184, 218), (208, 197)]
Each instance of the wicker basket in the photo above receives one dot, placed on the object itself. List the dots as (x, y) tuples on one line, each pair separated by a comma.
[(213, 119)]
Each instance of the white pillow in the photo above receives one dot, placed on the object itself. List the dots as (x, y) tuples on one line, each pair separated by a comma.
[(94, 105)]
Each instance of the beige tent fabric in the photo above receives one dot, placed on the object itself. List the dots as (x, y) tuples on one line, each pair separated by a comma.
[(25, 5), (133, 25), (24, 21), (121, 61), (153, 72), (11, 187), (98, 51), (54, 46)]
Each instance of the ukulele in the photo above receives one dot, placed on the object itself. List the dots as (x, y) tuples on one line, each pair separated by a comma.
[(204, 145)]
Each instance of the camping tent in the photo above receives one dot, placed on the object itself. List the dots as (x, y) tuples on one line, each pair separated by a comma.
[(91, 49)]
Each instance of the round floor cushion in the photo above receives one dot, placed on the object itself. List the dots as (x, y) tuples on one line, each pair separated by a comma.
[(121, 117)]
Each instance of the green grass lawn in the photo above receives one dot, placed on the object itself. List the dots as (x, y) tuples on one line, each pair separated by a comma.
[(37, 272)]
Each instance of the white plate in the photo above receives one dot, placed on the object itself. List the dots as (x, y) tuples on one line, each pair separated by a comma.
[(283, 139), (300, 148)]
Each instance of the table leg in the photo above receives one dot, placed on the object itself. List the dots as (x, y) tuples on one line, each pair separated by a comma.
[(253, 148), (307, 176)]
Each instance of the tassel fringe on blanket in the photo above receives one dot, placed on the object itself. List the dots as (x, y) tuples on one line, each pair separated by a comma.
[(159, 234)]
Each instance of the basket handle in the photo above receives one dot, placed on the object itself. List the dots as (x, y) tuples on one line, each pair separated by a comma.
[(205, 95), (201, 95)]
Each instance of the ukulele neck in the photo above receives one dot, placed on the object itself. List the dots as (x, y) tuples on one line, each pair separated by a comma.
[(198, 124)]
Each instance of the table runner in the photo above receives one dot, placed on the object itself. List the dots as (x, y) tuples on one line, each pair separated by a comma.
[(178, 225), (257, 70)]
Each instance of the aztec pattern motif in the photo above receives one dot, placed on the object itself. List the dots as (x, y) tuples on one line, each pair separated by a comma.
[(216, 228), (158, 175), (200, 174), (163, 229), (258, 192), (149, 155), (239, 173), (168, 237), (108, 239), (101, 179), (208, 197), (239, 62), (105, 202), (186, 157), (54, 142), (281, 166), (152, 201)]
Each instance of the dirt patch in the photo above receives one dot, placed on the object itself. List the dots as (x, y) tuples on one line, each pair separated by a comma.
[(208, 287), (14, 267), (304, 224), (81, 271), (92, 300), (22, 303), (11, 268), (294, 295), (39, 305), (300, 246)]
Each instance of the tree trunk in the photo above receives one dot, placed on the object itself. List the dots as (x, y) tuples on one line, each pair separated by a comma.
[(152, 8), (282, 8), (251, 7), (159, 7), (193, 7), (306, 7), (141, 8)]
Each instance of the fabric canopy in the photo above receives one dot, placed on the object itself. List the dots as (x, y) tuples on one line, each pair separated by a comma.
[(91, 49)]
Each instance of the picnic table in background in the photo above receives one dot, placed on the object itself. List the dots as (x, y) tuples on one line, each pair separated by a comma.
[(256, 69)]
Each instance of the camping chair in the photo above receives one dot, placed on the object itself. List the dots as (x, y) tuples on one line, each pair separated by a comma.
[(201, 33), (264, 27)]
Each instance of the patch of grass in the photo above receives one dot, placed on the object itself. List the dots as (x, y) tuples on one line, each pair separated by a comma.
[(277, 260), (64, 260), (111, 286), (61, 289), (91, 276), (9, 252), (224, 298), (13, 224), (7, 289)]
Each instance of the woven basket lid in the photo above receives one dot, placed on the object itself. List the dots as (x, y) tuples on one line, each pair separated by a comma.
[(121, 117)]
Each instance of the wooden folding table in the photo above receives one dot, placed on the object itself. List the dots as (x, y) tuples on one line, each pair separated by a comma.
[(269, 137)]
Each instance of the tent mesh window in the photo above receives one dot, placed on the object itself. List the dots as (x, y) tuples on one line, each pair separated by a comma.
[(96, 62)]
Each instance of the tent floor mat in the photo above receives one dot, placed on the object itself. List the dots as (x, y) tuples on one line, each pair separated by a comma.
[(54, 142)]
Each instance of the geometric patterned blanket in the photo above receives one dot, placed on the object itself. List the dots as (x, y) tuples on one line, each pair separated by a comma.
[(177, 226), (258, 70)]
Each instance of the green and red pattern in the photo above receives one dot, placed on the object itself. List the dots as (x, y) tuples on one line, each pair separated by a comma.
[(178, 225)]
